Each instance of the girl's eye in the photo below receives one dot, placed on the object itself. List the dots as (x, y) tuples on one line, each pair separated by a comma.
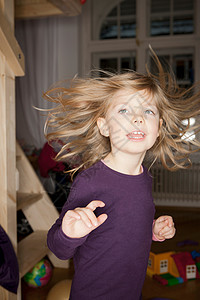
[(149, 112), (123, 111)]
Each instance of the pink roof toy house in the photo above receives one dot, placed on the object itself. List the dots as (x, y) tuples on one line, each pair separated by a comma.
[(171, 268)]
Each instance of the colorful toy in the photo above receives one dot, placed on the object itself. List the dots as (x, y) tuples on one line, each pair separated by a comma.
[(39, 275), (172, 268), (161, 263)]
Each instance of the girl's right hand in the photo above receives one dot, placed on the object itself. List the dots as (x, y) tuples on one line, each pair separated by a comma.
[(81, 221)]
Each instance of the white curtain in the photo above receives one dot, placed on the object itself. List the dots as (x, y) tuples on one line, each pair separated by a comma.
[(38, 40)]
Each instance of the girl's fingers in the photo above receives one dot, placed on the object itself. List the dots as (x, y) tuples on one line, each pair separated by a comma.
[(84, 217), (167, 232), (169, 235), (86, 214), (101, 219), (73, 214), (166, 219), (94, 204)]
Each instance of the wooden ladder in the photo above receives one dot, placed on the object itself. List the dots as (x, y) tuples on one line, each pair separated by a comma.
[(31, 197), (40, 212)]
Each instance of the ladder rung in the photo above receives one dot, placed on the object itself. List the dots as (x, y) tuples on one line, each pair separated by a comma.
[(18, 157), (31, 250), (25, 199)]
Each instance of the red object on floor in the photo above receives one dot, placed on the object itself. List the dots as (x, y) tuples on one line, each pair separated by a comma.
[(47, 162), (163, 281), (182, 260)]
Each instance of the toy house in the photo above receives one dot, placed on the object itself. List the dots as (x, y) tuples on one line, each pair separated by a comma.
[(162, 263), (186, 265), (171, 268)]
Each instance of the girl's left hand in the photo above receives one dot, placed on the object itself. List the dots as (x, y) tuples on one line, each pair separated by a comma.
[(164, 228)]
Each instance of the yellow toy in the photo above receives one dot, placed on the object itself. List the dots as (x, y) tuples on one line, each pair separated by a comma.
[(162, 263), (60, 291)]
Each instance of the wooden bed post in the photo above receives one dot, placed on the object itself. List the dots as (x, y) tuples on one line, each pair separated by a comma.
[(11, 65)]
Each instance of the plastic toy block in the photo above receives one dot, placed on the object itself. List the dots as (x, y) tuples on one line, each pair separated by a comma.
[(150, 273), (170, 279), (197, 259), (186, 265), (195, 255), (160, 279), (180, 279), (198, 266), (167, 276)]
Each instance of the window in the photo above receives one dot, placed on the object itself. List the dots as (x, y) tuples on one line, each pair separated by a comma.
[(163, 266), (116, 61), (150, 263), (182, 65), (120, 22), (171, 17), (191, 272), (110, 39)]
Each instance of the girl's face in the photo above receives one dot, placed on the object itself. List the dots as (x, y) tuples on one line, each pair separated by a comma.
[(132, 122)]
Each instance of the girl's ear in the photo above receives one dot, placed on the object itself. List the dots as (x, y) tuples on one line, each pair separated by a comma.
[(103, 127), (160, 125)]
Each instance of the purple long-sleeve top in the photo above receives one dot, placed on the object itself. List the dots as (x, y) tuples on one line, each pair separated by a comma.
[(110, 263)]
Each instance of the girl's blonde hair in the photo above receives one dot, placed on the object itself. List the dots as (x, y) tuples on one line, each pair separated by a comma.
[(74, 119)]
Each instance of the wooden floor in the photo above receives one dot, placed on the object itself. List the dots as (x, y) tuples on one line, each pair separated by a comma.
[(188, 227)]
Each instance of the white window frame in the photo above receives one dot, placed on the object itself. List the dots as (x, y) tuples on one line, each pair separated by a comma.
[(118, 55), (173, 52), (171, 14), (140, 44)]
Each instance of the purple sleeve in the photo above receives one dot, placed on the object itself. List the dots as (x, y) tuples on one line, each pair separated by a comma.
[(61, 245), (9, 269)]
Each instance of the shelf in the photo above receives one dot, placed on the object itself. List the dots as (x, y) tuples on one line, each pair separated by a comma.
[(31, 250), (25, 199)]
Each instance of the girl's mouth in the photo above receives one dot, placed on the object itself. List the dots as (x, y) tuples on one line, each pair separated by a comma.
[(136, 135)]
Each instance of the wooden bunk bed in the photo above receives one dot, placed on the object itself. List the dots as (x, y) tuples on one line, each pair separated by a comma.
[(19, 186)]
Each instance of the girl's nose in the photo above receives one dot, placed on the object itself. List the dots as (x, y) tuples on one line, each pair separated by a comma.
[(138, 120)]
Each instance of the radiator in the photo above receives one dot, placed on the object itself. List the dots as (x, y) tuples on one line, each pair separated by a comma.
[(179, 188)]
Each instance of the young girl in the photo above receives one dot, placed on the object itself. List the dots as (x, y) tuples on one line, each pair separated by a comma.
[(107, 222)]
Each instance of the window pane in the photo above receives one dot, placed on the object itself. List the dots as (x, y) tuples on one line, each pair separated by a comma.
[(113, 12), (160, 6), (165, 61), (128, 7), (120, 22), (171, 17), (183, 68), (108, 64), (128, 63), (160, 27), (127, 29), (183, 5), (109, 30), (183, 25)]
